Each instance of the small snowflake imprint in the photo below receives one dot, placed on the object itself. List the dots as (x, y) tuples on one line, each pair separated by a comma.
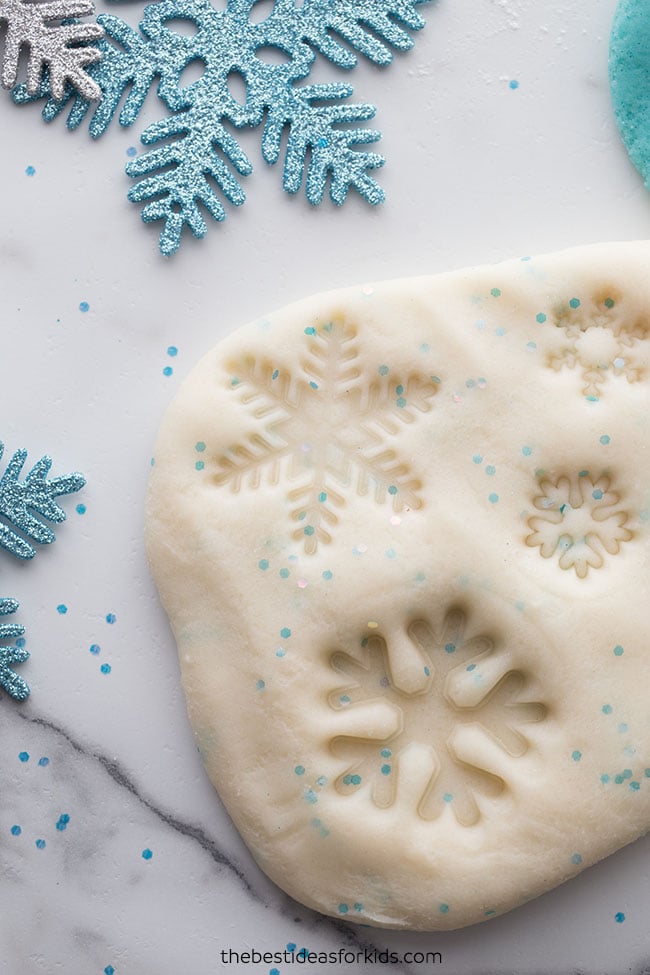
[(600, 339), (327, 430), (581, 520), (429, 719)]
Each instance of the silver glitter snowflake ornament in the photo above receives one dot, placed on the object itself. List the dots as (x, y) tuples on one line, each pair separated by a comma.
[(58, 48), (195, 161)]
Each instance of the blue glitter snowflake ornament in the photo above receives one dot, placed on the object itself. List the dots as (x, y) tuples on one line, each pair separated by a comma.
[(35, 493), (195, 159), (14, 685), (25, 505)]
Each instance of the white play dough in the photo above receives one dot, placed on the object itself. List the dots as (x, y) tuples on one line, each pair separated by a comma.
[(402, 535)]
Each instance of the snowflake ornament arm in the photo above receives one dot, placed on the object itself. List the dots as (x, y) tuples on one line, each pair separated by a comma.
[(63, 48), (34, 493), (313, 129), (12, 683), (124, 76)]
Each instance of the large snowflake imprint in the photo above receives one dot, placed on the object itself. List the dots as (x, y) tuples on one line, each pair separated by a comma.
[(581, 520), (327, 430), (421, 716), (598, 339)]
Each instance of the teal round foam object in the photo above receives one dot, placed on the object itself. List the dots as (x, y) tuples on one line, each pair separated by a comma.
[(629, 75)]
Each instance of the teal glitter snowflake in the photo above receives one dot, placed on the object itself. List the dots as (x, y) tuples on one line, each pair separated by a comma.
[(195, 160), (12, 683), (35, 493), (26, 503)]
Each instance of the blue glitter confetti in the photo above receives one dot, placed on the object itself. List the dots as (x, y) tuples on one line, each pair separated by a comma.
[(105, 668), (111, 618), (40, 844), (147, 854), (30, 171), (15, 830), (194, 153), (619, 917), (23, 757), (84, 306)]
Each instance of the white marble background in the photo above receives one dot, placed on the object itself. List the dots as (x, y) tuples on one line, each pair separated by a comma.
[(477, 171)]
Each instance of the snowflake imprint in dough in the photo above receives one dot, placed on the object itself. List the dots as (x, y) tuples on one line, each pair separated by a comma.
[(600, 341), (425, 718), (581, 520), (326, 429)]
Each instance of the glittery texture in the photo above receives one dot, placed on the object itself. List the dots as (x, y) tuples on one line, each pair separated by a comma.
[(63, 49), (14, 685), (35, 493), (194, 155)]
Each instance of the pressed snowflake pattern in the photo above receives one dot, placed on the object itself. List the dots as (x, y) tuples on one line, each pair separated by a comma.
[(581, 521), (600, 341), (194, 153), (405, 709), (327, 430)]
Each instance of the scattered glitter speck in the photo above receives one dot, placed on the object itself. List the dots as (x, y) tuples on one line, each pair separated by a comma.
[(30, 171), (84, 306)]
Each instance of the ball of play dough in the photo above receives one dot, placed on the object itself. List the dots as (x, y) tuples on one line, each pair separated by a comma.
[(629, 70), (402, 533)]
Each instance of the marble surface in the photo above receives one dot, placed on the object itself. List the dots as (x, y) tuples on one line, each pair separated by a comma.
[(115, 853)]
